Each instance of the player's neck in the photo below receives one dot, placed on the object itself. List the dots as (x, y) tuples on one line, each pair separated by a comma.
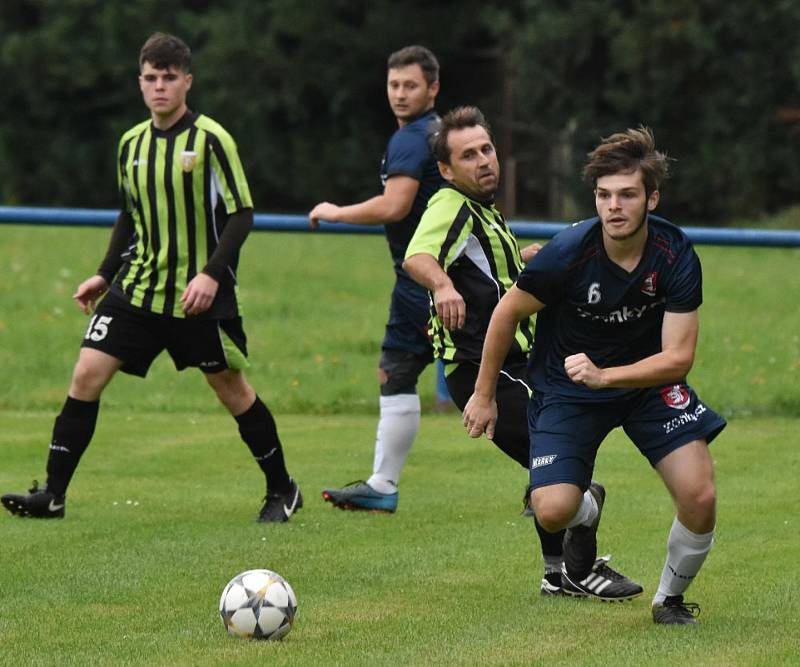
[(402, 122), (164, 122), (627, 252)]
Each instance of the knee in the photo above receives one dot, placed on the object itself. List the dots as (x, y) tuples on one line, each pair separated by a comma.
[(552, 512), (87, 382), (398, 372), (232, 390), (704, 496), (698, 508)]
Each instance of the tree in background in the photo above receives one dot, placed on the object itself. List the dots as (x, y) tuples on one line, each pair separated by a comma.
[(300, 84), (709, 77)]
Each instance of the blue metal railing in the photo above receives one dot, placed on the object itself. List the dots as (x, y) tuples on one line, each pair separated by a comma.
[(299, 223)]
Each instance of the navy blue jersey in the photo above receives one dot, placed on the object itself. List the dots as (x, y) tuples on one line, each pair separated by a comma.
[(409, 154), (595, 306)]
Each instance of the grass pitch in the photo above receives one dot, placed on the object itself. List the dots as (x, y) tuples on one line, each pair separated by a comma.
[(159, 519), (160, 514)]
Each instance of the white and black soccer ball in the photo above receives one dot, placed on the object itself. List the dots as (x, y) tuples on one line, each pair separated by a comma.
[(258, 604)]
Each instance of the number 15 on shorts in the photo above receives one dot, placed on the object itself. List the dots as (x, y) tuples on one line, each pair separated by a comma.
[(98, 327)]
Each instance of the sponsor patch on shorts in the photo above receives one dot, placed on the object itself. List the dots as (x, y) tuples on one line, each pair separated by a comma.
[(540, 461), (686, 418)]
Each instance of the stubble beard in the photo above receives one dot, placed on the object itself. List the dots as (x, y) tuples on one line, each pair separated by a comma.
[(629, 235)]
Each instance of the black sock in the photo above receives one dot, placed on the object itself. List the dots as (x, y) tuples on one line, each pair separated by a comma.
[(258, 430), (552, 543), (72, 432)]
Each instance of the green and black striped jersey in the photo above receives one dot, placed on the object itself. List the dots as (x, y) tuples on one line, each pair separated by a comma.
[(179, 187), (472, 242)]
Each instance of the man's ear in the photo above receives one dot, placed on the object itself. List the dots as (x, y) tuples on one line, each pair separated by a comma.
[(652, 200)]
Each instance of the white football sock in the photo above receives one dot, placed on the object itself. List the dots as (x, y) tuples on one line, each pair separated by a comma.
[(686, 552), (587, 512), (397, 428)]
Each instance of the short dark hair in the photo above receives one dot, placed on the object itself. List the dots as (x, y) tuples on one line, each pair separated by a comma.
[(457, 119), (626, 152), (416, 55), (163, 51)]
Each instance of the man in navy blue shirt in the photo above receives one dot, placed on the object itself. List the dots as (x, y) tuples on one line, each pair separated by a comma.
[(409, 176), (616, 334)]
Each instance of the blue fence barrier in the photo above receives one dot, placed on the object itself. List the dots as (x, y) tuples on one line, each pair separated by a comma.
[(299, 223)]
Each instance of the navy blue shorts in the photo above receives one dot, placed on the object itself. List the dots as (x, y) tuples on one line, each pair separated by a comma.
[(137, 336), (565, 434), (409, 312)]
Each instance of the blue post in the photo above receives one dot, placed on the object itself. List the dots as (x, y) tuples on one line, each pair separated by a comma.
[(444, 402)]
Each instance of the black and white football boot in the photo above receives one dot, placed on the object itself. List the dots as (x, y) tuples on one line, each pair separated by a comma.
[(37, 504), (603, 583), (278, 507)]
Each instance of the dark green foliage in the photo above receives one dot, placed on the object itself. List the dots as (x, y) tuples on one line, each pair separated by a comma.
[(300, 86), (711, 78)]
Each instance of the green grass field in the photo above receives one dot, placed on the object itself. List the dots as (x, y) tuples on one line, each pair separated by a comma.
[(160, 514)]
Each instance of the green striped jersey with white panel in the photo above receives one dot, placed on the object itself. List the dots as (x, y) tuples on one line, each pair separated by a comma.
[(472, 242), (179, 187)]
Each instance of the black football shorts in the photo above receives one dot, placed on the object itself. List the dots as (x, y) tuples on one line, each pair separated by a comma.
[(137, 336)]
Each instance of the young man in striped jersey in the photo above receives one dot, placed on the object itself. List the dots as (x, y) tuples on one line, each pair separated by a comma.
[(465, 254), (168, 282), (617, 298)]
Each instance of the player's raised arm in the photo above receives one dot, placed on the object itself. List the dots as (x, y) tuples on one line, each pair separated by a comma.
[(449, 304), (391, 206), (678, 343), (480, 413)]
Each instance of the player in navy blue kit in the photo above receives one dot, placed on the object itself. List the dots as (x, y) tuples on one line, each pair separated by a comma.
[(409, 176), (616, 333)]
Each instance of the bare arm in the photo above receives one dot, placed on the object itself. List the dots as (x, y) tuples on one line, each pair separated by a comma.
[(449, 304), (529, 252), (678, 343), (480, 413), (391, 206)]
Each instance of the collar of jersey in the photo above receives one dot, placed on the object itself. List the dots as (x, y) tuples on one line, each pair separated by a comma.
[(486, 203), (430, 112), (185, 121)]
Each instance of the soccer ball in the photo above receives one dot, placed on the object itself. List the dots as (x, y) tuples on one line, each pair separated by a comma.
[(258, 604)]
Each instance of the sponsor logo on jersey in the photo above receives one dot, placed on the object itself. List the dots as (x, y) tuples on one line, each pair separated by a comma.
[(676, 396), (540, 461), (188, 160), (649, 285), (624, 314), (139, 163)]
